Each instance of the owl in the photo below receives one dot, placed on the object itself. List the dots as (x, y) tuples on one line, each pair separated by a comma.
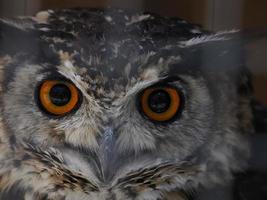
[(113, 105)]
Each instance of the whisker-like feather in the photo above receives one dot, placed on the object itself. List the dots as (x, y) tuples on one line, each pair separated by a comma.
[(162, 176)]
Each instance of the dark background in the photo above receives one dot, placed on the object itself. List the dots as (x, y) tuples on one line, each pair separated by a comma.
[(212, 15)]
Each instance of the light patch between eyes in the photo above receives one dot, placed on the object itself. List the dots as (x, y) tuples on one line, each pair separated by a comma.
[(169, 113), (49, 105)]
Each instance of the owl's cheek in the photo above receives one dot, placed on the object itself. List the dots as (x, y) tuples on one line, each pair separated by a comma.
[(53, 135), (84, 136)]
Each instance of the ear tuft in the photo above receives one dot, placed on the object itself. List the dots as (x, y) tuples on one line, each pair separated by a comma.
[(15, 35), (18, 23), (216, 37)]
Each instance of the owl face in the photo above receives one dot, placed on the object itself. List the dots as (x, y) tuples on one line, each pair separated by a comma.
[(122, 104)]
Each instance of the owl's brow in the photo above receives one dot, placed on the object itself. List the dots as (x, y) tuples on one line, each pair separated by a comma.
[(140, 86), (69, 71), (147, 83)]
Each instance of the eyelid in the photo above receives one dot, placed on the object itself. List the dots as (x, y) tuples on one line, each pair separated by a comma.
[(173, 81)]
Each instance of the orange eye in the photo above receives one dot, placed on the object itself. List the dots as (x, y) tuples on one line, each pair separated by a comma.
[(160, 104), (58, 97)]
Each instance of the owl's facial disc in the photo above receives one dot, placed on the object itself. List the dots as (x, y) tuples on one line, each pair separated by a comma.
[(109, 121)]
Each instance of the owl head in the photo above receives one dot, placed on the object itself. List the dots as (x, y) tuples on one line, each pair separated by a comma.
[(121, 105)]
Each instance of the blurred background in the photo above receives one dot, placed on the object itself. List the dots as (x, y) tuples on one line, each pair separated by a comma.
[(211, 14)]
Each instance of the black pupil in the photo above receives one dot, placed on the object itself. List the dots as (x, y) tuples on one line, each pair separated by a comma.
[(159, 101), (60, 95)]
